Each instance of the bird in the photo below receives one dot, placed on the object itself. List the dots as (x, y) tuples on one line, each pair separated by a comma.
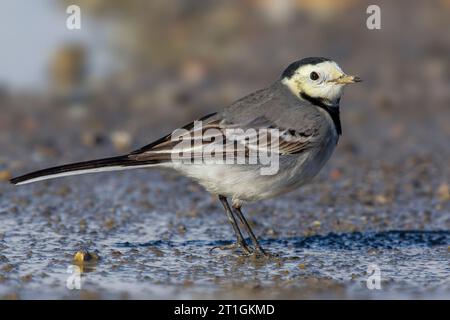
[(268, 143)]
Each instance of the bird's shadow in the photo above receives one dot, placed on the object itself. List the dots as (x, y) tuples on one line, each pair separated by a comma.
[(342, 241)]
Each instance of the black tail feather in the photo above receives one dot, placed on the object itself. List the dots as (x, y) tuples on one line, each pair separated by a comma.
[(120, 161)]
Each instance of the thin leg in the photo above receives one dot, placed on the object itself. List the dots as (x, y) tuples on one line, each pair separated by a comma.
[(237, 210), (240, 242)]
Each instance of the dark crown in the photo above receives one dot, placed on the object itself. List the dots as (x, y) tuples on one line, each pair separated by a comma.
[(290, 70)]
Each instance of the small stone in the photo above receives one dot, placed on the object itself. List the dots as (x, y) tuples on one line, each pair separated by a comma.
[(10, 296), (381, 199), (63, 191), (443, 192), (302, 266), (85, 256), (83, 224), (121, 140), (188, 283), (110, 224), (193, 71), (8, 267), (5, 175), (90, 139), (116, 253), (26, 278), (181, 229), (335, 174), (316, 224), (156, 251)]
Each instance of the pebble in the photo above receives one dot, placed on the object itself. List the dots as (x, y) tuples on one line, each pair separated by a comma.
[(121, 140), (85, 256), (110, 224), (91, 139), (316, 223), (5, 175), (26, 278), (381, 199), (8, 267), (335, 174), (302, 266), (443, 192)]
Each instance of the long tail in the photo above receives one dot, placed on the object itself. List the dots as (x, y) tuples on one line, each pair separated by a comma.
[(100, 165)]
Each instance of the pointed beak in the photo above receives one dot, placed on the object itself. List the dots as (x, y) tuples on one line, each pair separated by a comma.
[(345, 79)]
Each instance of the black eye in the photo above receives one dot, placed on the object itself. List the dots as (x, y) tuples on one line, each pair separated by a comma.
[(314, 75)]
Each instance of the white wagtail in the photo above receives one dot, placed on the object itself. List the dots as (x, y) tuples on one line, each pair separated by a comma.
[(303, 105)]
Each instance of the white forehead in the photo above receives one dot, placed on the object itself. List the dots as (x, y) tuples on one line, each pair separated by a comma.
[(301, 82), (326, 68)]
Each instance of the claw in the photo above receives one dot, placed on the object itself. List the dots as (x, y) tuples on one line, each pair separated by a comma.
[(261, 252), (234, 246)]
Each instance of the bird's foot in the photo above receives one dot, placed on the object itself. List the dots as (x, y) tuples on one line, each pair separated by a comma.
[(235, 246), (259, 251)]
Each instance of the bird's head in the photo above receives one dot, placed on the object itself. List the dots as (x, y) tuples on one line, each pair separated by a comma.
[(317, 78)]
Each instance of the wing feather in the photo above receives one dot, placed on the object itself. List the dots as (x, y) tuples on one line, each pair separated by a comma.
[(228, 139)]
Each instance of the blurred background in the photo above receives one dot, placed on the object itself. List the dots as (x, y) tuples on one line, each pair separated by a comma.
[(138, 69)]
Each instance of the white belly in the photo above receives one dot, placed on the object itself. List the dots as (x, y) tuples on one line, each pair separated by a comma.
[(246, 183)]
